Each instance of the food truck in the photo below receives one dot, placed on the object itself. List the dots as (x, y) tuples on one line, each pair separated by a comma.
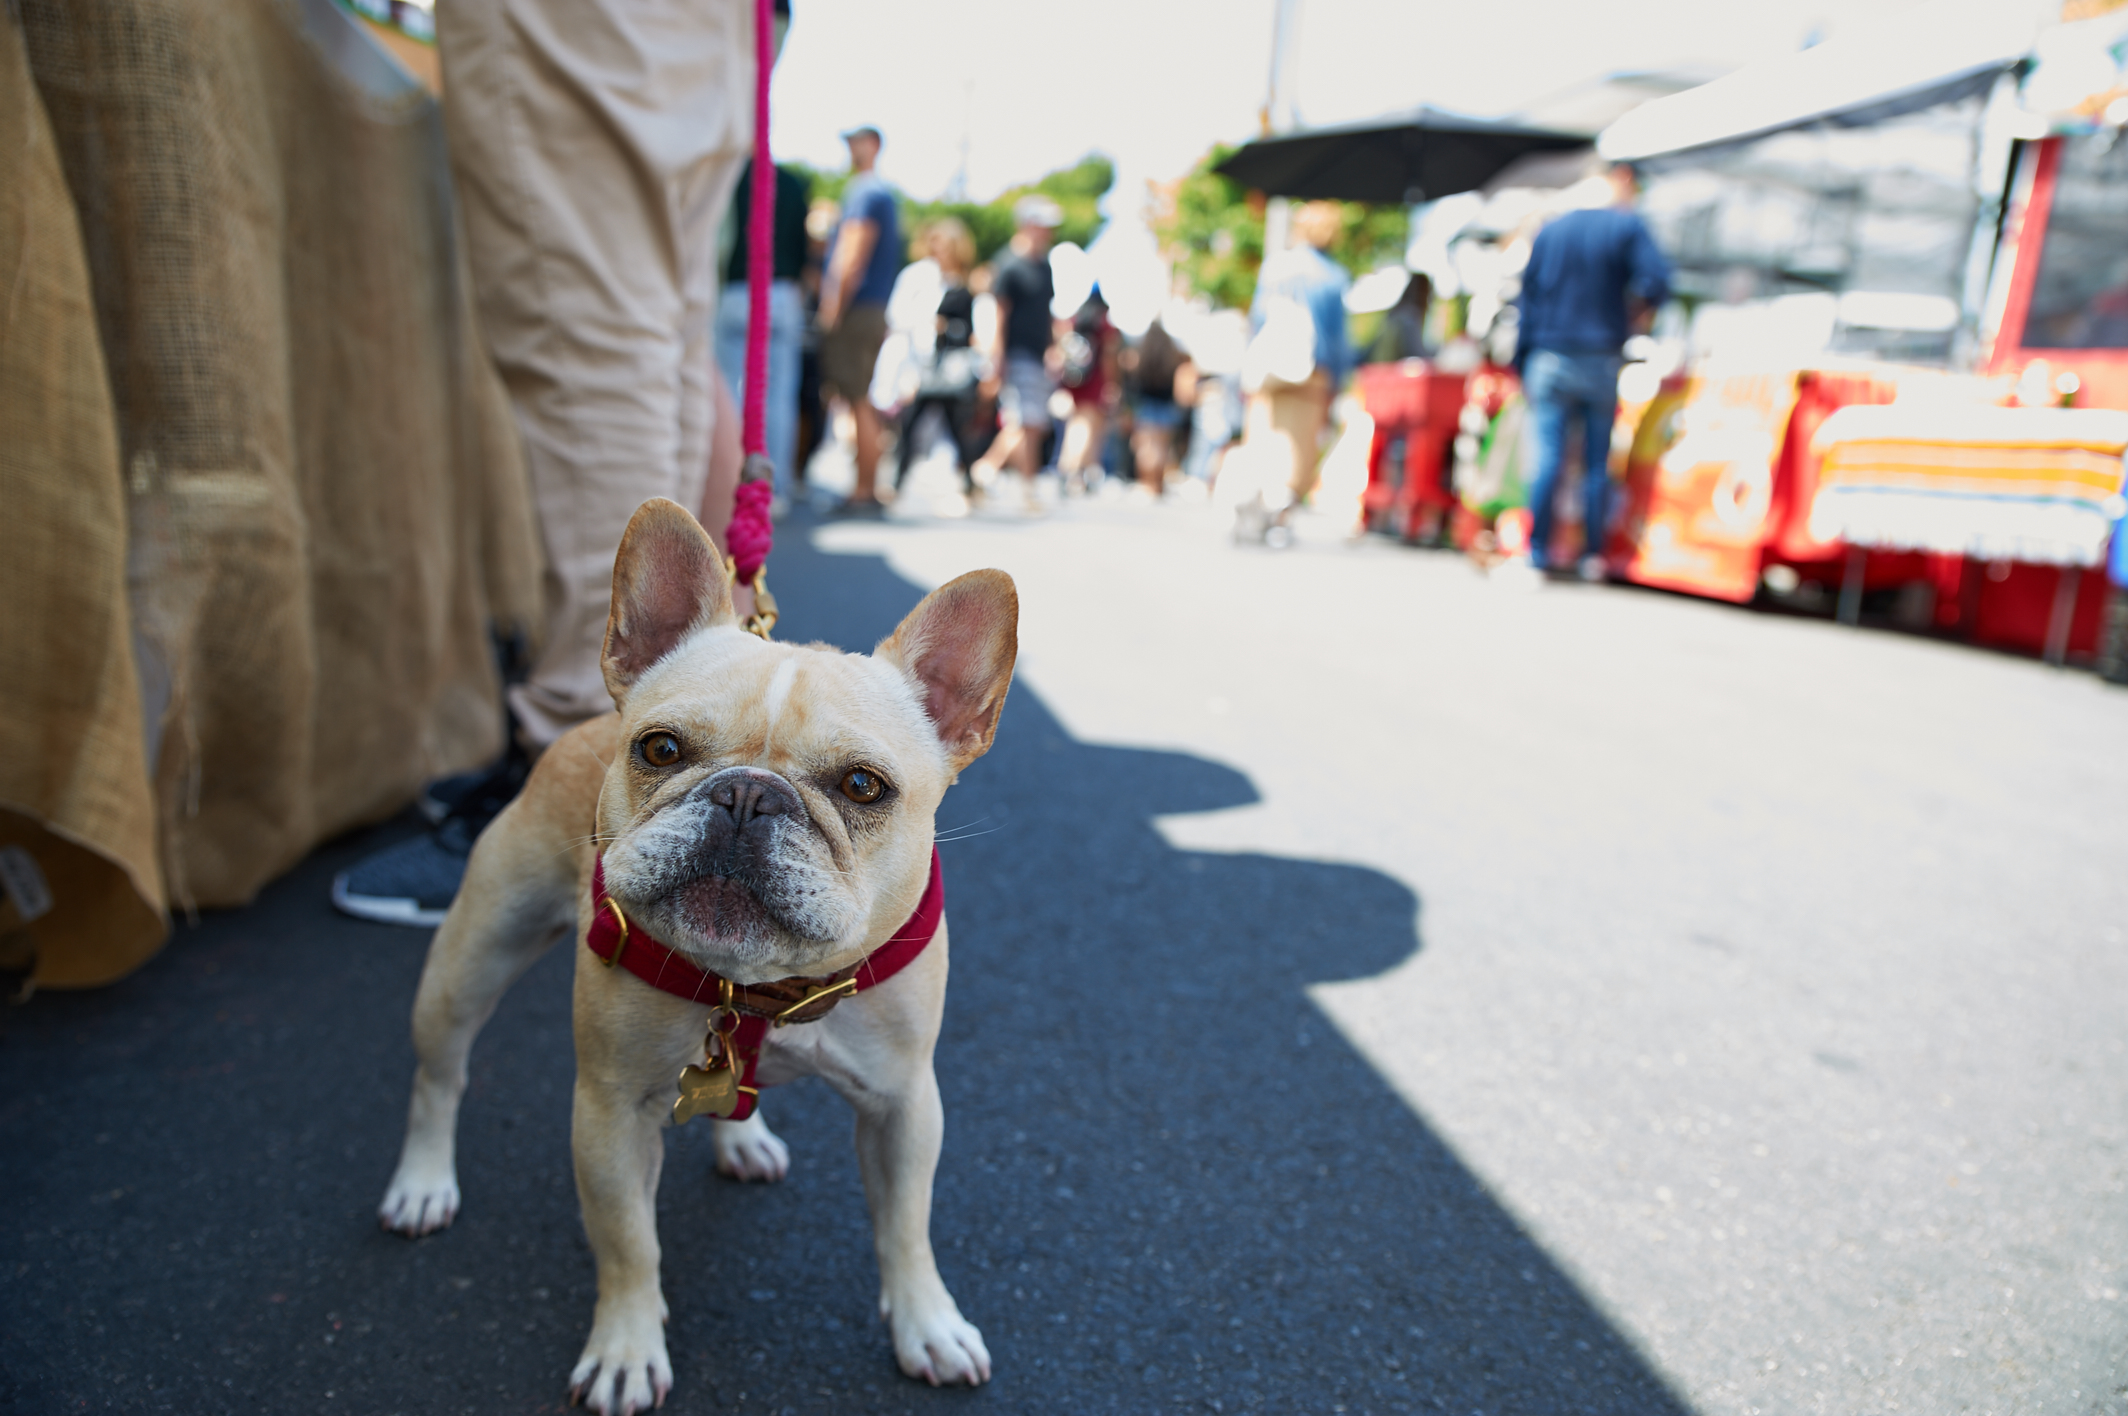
[(1904, 332)]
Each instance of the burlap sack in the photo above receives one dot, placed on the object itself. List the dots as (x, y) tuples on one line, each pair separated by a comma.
[(320, 483), (74, 794)]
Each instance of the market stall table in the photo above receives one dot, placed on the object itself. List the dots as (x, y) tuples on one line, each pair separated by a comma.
[(1419, 403), (2018, 487)]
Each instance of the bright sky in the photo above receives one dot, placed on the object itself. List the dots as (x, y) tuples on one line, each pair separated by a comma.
[(1153, 83)]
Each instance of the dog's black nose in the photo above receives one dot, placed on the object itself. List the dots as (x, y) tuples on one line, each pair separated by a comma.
[(747, 792)]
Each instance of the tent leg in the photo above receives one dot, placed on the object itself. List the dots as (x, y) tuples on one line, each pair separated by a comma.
[(1851, 585), (2064, 612)]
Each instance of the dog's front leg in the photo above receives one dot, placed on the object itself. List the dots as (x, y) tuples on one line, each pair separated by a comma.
[(619, 1152), (629, 1055), (899, 1133), (515, 903)]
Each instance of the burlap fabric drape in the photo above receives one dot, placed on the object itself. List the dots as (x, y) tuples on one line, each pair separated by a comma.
[(291, 463)]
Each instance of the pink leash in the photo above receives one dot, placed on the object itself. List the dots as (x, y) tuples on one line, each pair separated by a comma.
[(751, 533)]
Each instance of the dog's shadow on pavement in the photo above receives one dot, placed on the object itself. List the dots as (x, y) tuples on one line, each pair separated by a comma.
[(1168, 1184)]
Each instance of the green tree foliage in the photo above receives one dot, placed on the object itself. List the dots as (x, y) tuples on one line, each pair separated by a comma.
[(1213, 229), (1214, 232), (1078, 189), (1373, 236), (823, 186)]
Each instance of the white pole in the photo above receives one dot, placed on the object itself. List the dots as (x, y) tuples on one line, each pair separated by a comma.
[(1281, 114)]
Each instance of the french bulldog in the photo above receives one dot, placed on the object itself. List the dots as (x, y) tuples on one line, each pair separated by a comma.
[(765, 811)]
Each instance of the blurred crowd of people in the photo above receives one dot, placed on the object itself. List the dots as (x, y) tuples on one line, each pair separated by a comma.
[(901, 345), (913, 344)]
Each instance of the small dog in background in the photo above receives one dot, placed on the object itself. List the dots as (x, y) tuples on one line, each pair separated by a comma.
[(752, 830)]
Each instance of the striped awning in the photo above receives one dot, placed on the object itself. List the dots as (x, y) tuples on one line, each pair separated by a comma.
[(2023, 484)]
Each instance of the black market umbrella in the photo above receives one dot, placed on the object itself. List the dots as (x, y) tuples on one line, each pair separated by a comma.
[(1404, 157)]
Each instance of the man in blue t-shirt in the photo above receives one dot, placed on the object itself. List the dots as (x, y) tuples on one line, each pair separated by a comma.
[(1591, 276), (863, 259)]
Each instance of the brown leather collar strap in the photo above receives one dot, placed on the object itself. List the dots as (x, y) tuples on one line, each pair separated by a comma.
[(617, 940)]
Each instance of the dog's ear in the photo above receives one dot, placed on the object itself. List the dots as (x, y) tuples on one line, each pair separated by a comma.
[(957, 648), (668, 582)]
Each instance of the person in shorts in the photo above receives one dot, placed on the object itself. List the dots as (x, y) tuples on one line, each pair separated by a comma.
[(593, 146), (1291, 416), (1026, 335), (863, 260), (1163, 385), (1087, 368)]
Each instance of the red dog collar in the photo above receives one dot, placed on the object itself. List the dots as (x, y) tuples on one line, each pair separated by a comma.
[(616, 940)]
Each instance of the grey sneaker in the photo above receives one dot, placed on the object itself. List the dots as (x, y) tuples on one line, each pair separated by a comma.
[(412, 883)]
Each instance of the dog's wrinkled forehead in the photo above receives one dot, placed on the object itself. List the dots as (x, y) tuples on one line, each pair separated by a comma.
[(765, 703)]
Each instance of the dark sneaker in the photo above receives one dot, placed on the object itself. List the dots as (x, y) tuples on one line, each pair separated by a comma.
[(414, 882), (440, 796), (478, 794)]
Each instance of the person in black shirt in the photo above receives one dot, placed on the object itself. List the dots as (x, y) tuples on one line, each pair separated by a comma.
[(950, 382), (786, 314), (1021, 379)]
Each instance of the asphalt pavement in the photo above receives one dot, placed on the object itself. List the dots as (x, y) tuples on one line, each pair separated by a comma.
[(1377, 989)]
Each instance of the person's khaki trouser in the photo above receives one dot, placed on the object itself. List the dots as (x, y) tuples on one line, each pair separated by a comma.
[(1295, 415), (595, 144)]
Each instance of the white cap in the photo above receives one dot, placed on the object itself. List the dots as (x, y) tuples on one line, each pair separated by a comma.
[(1034, 209)]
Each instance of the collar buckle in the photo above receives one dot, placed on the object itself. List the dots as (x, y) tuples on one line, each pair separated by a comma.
[(834, 991)]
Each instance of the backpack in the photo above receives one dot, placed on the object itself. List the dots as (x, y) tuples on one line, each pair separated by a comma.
[(1081, 349)]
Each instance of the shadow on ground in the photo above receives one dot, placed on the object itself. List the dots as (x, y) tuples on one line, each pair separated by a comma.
[(1168, 1182)]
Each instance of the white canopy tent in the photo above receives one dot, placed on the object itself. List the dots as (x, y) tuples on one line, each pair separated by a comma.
[(1931, 54)]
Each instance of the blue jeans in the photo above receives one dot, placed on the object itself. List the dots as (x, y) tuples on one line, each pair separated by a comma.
[(786, 335), (1559, 387), (1213, 423)]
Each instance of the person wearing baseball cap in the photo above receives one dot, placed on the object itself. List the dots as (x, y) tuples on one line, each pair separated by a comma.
[(1021, 381), (864, 256)]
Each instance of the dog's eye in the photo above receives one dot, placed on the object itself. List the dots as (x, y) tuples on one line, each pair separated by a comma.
[(659, 749), (863, 785)]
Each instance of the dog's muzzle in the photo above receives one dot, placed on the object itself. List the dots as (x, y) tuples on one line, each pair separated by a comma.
[(743, 812), (737, 859), (747, 793)]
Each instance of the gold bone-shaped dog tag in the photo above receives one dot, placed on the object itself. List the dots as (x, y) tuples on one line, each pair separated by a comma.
[(710, 1091)]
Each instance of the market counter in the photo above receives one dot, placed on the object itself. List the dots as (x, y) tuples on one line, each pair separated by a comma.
[(1418, 403)]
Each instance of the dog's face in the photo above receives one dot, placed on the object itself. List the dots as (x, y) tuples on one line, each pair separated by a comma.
[(770, 811)]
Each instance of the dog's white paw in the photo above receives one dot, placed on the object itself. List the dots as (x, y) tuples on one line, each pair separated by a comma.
[(624, 1368), (749, 1150), (934, 1343), (419, 1200)]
